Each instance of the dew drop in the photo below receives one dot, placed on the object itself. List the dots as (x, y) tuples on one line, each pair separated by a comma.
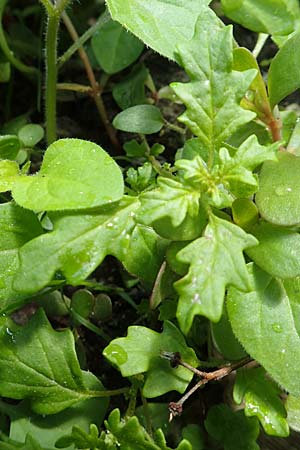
[(277, 328), (282, 190)]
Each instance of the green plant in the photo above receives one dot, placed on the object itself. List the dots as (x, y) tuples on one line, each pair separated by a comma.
[(210, 238)]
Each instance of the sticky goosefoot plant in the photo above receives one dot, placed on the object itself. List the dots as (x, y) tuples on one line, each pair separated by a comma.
[(210, 239)]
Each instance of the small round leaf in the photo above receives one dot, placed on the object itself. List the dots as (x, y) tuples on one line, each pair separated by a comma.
[(144, 119), (31, 134)]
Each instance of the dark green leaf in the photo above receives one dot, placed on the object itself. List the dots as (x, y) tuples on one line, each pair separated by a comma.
[(261, 399), (115, 48), (9, 147), (131, 90), (140, 352), (263, 322), (144, 119)]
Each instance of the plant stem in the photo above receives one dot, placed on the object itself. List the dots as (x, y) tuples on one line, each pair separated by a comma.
[(96, 89), (261, 40)]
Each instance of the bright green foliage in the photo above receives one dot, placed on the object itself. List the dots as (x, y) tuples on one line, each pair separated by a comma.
[(160, 23), (9, 147), (278, 250), (244, 213), (293, 410), (30, 134), (40, 364), (278, 196), (80, 242), (75, 174), (284, 76), (139, 352), (115, 48), (144, 119), (268, 16), (214, 265), (173, 209), (261, 398), (48, 429), (264, 323), (131, 90), (213, 95), (9, 173), (29, 444), (18, 226), (232, 429)]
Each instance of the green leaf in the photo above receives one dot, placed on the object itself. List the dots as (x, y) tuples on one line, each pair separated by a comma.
[(82, 439), (194, 435), (263, 322), (261, 399), (160, 23), (131, 90), (244, 213), (29, 444), (75, 174), (173, 209), (31, 134), (292, 406), (9, 147), (80, 241), (144, 119), (283, 77), (18, 226), (47, 429), (278, 250), (139, 352), (9, 173), (213, 266), (232, 429), (115, 48), (213, 95), (278, 196), (268, 16)]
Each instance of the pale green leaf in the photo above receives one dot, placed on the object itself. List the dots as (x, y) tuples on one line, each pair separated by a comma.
[(143, 119), (18, 226), (293, 410), (283, 77), (214, 265), (40, 364), (232, 429), (278, 250), (114, 48), (9, 173), (261, 399), (213, 95), (139, 352), (80, 241), (278, 198), (267, 16), (173, 210), (31, 134), (75, 174), (162, 23), (263, 322)]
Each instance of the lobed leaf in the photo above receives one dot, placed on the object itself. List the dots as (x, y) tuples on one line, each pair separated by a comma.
[(139, 352), (216, 261)]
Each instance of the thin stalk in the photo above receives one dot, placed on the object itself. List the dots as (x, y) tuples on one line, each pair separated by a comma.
[(261, 40), (75, 87), (96, 89), (83, 39)]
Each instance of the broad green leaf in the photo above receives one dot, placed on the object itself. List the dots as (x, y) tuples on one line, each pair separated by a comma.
[(194, 434), (115, 48), (31, 134), (244, 213), (75, 174), (233, 430), (263, 322), (9, 173), (143, 119), (40, 364), (278, 250), (162, 23), (267, 16), (18, 226), (131, 90), (292, 406), (278, 198), (173, 209), (283, 77), (9, 147), (292, 287), (80, 241), (261, 398), (139, 352), (213, 95), (214, 265), (47, 429), (225, 341)]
